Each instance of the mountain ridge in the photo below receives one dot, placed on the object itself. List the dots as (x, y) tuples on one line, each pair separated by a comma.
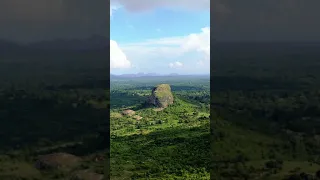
[(93, 42)]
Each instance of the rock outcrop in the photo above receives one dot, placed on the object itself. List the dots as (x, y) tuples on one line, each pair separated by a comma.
[(137, 117), (161, 96), (56, 161), (128, 112)]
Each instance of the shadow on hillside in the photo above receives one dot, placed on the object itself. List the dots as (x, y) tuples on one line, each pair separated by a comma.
[(168, 151), (142, 106), (120, 100)]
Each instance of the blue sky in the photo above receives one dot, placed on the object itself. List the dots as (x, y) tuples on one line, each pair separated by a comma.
[(160, 37)]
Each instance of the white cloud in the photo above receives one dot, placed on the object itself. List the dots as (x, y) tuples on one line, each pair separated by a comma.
[(171, 47), (118, 59), (199, 42), (175, 65), (192, 52), (145, 5)]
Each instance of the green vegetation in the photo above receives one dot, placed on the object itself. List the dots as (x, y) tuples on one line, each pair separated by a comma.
[(265, 113), (170, 143)]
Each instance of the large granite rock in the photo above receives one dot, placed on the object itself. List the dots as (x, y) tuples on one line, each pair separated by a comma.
[(161, 96)]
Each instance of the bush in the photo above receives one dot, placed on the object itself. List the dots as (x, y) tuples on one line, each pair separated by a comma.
[(274, 164)]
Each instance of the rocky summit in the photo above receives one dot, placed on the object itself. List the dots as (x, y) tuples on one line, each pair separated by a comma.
[(161, 96)]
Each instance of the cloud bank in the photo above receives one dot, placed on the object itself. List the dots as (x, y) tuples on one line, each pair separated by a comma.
[(186, 51), (117, 58), (147, 5)]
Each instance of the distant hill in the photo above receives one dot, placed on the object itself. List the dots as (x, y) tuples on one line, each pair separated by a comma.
[(140, 75), (174, 74), (133, 75), (259, 48), (8, 46), (95, 42)]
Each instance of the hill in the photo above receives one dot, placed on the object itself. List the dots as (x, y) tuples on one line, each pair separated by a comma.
[(168, 144), (161, 96)]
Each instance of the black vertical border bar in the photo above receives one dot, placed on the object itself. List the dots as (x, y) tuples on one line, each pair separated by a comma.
[(107, 168), (211, 99)]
